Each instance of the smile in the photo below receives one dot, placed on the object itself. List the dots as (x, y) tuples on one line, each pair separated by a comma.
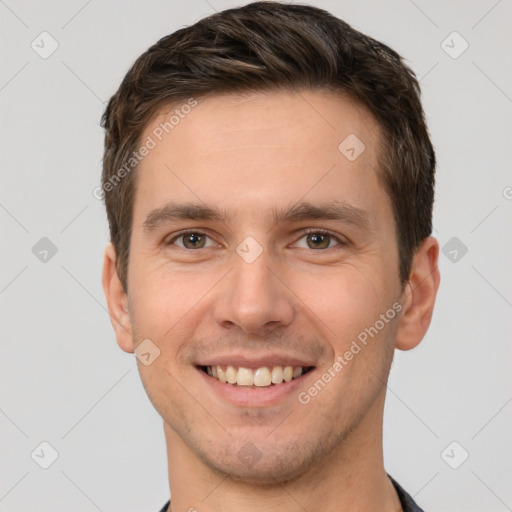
[(262, 377)]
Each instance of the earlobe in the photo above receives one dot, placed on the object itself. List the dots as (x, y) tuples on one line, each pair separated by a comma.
[(419, 295), (117, 301)]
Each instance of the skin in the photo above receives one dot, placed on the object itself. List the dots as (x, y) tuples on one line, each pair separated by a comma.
[(249, 155)]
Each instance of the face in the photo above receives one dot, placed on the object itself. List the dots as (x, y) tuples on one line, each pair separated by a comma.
[(258, 245)]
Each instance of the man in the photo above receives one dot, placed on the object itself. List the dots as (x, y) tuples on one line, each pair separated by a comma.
[(268, 180)]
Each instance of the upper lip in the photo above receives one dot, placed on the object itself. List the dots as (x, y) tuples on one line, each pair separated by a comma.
[(256, 361)]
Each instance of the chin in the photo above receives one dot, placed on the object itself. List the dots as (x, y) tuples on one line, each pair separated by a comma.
[(270, 464)]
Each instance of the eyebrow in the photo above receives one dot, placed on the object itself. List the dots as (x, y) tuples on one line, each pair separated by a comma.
[(300, 211)]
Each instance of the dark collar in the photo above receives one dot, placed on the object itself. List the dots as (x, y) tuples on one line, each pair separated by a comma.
[(408, 504)]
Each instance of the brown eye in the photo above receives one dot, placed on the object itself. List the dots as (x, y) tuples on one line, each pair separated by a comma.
[(190, 240), (315, 239), (318, 240)]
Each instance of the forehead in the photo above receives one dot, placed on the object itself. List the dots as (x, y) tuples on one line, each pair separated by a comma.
[(259, 148), (277, 119)]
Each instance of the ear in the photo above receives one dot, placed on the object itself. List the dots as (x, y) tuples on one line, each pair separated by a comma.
[(419, 295), (117, 301)]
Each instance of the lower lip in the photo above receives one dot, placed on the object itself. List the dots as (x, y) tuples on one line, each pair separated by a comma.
[(242, 396)]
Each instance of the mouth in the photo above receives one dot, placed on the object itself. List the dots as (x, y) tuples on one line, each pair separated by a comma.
[(261, 377)]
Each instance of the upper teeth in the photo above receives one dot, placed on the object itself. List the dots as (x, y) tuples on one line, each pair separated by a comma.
[(261, 377)]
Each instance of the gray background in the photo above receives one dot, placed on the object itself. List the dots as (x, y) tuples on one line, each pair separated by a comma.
[(63, 378)]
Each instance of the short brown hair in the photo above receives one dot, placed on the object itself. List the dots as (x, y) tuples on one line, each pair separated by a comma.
[(265, 46)]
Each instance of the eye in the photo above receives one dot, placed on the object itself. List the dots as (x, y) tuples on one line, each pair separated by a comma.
[(192, 240), (318, 240)]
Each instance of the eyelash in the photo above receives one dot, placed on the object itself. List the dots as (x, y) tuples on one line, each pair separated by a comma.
[(306, 232)]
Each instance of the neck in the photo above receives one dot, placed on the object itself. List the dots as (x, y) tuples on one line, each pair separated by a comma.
[(352, 477)]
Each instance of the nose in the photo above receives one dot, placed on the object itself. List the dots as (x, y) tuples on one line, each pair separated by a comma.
[(254, 298)]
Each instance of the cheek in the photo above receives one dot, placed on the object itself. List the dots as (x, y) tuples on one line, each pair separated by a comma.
[(167, 308), (164, 300), (347, 311), (342, 303)]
